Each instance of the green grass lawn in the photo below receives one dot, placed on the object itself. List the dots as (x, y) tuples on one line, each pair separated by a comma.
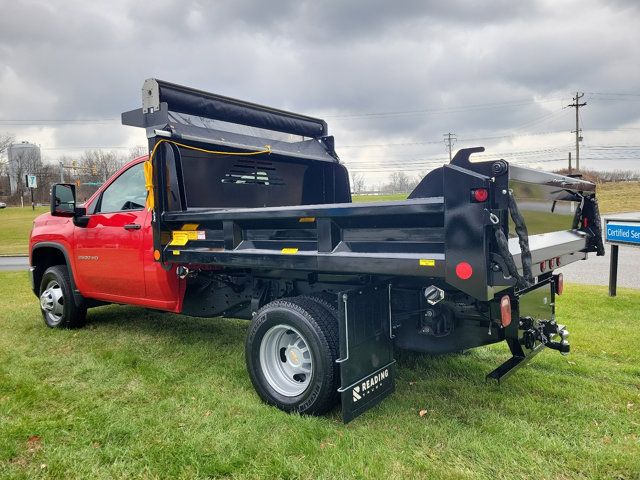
[(379, 198), (150, 395), (15, 227)]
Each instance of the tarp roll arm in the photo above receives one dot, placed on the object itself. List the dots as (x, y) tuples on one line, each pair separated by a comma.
[(190, 101)]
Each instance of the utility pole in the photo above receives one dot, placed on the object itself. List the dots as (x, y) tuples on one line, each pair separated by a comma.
[(61, 172), (576, 104), (450, 140), (570, 172)]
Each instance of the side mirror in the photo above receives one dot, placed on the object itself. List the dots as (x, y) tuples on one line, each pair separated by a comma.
[(63, 200)]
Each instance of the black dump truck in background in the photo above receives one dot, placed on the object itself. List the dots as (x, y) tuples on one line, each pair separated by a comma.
[(254, 208)]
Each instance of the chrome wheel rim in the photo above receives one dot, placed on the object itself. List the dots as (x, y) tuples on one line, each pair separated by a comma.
[(286, 360), (52, 302)]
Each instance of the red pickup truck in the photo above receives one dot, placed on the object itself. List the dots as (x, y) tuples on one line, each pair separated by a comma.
[(110, 259)]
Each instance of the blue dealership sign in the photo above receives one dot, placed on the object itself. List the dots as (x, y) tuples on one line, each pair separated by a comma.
[(622, 231)]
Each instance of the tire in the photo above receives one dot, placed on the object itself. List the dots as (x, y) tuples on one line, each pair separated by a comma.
[(57, 302), (329, 301), (291, 350)]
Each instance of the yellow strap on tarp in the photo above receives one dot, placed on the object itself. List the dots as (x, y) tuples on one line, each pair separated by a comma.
[(148, 165)]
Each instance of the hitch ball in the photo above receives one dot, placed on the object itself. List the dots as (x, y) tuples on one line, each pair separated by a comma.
[(433, 294)]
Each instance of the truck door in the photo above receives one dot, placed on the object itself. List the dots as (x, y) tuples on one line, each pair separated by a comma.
[(109, 250)]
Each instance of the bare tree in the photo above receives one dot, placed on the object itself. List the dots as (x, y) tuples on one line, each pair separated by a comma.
[(47, 175), (357, 182), (400, 182), (25, 162), (5, 141), (138, 151), (102, 164)]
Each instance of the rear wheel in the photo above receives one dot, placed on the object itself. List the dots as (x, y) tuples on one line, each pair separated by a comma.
[(57, 303), (291, 349)]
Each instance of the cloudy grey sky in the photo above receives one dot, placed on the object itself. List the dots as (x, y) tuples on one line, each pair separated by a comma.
[(390, 77)]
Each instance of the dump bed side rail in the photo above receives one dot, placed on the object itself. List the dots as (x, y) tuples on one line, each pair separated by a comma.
[(394, 238)]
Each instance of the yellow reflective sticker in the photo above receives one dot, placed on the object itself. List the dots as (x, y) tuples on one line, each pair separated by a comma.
[(307, 219), (181, 237), (427, 262), (289, 251), (176, 252), (190, 226)]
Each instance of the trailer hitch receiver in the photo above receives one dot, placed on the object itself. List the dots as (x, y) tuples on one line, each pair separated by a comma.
[(534, 336)]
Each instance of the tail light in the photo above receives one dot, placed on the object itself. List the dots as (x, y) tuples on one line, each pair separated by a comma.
[(559, 284), (505, 311), (480, 195), (543, 266), (552, 264), (557, 261)]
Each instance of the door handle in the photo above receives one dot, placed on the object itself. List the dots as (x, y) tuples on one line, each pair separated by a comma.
[(132, 226)]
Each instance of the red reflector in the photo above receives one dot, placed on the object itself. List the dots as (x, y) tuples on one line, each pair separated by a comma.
[(585, 222), (481, 194), (464, 270), (559, 284), (505, 311), (552, 263), (543, 266)]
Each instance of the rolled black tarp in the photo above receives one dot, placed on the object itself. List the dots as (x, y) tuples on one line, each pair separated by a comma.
[(199, 103)]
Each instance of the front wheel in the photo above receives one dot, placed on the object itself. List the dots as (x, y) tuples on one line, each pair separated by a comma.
[(291, 349), (57, 303)]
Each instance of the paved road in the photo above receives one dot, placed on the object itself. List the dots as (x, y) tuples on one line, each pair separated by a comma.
[(14, 263), (595, 270)]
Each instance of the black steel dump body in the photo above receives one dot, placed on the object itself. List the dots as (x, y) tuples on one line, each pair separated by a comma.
[(243, 189)]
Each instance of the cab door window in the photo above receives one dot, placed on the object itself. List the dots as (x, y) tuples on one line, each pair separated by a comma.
[(127, 192)]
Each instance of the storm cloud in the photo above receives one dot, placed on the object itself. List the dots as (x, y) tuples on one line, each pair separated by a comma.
[(390, 77)]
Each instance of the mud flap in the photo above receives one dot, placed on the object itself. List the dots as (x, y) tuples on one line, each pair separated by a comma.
[(366, 350)]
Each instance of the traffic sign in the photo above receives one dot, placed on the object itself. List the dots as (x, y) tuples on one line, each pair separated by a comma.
[(32, 181), (619, 231), (623, 231)]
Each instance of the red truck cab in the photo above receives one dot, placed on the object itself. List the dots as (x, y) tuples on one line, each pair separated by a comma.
[(108, 257)]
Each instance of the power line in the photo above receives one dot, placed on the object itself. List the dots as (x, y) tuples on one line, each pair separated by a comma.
[(435, 164), (394, 160), (461, 108), (433, 110), (34, 122), (615, 94), (116, 147), (493, 155), (401, 144)]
